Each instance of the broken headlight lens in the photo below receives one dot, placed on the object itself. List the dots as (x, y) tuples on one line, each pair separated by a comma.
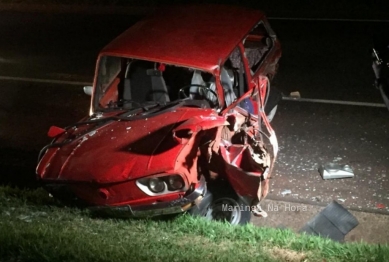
[(175, 182), (156, 185)]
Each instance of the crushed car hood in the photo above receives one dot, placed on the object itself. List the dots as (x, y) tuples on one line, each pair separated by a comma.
[(118, 150)]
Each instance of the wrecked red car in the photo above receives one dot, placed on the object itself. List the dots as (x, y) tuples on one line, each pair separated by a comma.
[(179, 119)]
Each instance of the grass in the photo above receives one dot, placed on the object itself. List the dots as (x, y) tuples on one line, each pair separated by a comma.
[(35, 227)]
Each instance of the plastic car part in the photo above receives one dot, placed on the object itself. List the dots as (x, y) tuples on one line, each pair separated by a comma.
[(333, 222), (335, 170)]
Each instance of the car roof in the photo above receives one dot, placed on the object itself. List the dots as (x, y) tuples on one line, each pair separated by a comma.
[(198, 36)]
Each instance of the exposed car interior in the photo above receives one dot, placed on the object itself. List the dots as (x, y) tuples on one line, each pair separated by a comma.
[(124, 82)]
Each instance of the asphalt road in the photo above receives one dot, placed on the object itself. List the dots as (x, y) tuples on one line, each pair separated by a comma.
[(321, 60)]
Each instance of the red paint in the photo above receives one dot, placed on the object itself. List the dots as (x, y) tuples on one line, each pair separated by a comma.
[(55, 131), (196, 36)]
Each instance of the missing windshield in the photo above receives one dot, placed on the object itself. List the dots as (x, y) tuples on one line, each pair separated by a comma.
[(124, 83)]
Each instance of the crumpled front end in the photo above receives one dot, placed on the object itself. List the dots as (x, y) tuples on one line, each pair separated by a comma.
[(244, 151), (111, 163), (238, 153)]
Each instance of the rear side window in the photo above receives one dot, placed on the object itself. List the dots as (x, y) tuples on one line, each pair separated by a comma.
[(257, 45)]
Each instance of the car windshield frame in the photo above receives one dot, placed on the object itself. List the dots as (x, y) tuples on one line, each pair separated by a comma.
[(114, 70), (105, 75)]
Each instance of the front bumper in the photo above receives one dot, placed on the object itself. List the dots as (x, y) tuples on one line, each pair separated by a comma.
[(157, 209)]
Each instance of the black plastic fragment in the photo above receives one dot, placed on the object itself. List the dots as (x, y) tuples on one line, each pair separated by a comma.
[(333, 222)]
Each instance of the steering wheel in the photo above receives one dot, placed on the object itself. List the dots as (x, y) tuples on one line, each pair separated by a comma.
[(202, 91)]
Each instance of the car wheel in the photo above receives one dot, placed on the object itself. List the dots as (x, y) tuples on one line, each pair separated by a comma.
[(226, 207)]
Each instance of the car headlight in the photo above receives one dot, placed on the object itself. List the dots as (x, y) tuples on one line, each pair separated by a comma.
[(156, 185), (161, 184), (176, 182)]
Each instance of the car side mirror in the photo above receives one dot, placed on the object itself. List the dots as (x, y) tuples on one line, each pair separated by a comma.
[(88, 90)]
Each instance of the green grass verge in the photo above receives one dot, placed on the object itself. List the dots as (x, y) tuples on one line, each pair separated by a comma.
[(35, 227)]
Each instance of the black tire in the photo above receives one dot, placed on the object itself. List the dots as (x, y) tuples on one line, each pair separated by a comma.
[(222, 206)]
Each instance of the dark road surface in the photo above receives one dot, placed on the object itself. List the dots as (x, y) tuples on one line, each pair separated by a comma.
[(322, 60), (310, 135)]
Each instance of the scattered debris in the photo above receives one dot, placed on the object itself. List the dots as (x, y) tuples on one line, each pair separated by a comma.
[(286, 192), (341, 200), (259, 212), (380, 206), (335, 170), (92, 133), (316, 198), (295, 94)]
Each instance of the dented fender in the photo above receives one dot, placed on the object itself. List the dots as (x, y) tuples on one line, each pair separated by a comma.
[(198, 123)]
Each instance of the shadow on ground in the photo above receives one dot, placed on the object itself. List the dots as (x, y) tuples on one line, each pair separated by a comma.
[(18, 167)]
